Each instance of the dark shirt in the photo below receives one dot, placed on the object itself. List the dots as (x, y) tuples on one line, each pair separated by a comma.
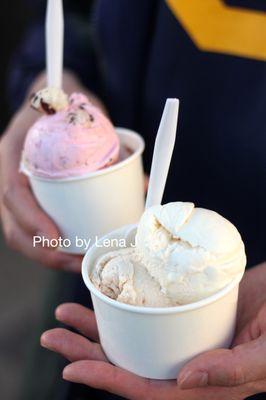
[(135, 54)]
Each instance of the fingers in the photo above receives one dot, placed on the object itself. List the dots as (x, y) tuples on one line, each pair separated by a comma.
[(21, 215), (19, 200), (253, 284), (146, 182), (19, 240), (72, 346), (242, 364), (253, 329), (249, 333), (104, 376), (101, 375), (79, 318)]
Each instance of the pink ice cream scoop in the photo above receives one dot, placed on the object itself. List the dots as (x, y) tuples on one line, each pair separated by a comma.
[(71, 141)]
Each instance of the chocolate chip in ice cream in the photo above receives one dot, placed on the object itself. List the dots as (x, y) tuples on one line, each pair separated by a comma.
[(49, 100), (79, 117), (47, 108)]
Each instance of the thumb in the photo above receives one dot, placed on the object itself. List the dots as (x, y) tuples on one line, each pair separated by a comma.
[(226, 367)]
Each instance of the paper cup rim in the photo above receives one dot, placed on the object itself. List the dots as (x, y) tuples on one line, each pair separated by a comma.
[(121, 132), (152, 310)]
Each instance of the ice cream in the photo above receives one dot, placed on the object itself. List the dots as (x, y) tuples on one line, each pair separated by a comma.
[(72, 139), (121, 275), (182, 254)]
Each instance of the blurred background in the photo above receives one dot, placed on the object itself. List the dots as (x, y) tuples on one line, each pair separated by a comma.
[(23, 284), (12, 26)]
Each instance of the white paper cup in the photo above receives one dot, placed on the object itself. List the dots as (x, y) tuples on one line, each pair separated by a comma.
[(89, 206), (157, 342)]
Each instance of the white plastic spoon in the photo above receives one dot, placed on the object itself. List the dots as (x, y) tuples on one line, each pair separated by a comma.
[(161, 159), (54, 42), (162, 154)]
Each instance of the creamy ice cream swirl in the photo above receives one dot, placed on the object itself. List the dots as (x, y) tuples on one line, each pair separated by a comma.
[(183, 254)]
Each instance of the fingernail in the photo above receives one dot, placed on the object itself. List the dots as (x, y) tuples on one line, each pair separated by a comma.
[(57, 313), (191, 379), (43, 341), (66, 374)]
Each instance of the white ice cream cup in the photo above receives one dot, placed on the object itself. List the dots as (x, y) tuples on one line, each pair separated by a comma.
[(157, 342), (91, 205)]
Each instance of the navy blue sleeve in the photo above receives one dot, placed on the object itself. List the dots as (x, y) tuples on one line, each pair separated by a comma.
[(29, 58)]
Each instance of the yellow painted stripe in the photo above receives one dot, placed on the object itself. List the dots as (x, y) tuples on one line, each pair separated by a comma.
[(216, 27)]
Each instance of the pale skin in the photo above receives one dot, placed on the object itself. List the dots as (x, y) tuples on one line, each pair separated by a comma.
[(233, 374), (21, 216)]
